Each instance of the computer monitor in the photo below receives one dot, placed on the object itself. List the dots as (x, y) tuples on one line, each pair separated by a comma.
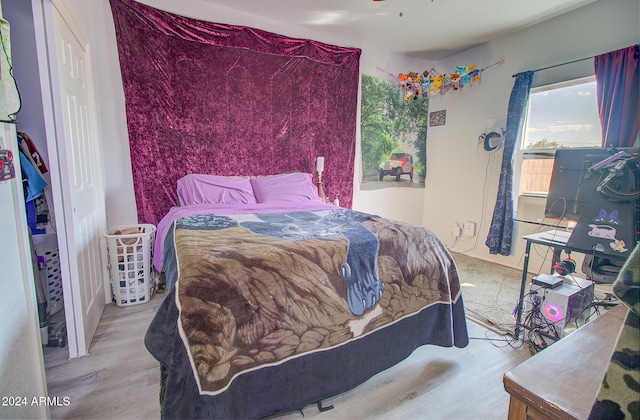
[(572, 185)]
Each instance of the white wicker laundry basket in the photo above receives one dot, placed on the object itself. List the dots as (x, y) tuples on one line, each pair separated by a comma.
[(46, 247), (130, 252)]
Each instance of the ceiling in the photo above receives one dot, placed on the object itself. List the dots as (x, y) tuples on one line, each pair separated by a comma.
[(426, 29)]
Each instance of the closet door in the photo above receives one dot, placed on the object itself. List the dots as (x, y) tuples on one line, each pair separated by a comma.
[(82, 181)]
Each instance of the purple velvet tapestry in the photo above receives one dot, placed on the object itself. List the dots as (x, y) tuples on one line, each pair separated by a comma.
[(211, 98)]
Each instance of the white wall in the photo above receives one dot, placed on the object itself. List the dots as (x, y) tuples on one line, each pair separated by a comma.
[(463, 178)]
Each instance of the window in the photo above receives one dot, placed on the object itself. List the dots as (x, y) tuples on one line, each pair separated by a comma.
[(559, 115)]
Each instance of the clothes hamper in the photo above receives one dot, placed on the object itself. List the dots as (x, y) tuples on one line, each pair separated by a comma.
[(46, 247), (130, 252)]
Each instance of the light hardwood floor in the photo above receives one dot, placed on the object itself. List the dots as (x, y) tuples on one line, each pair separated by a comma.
[(120, 380)]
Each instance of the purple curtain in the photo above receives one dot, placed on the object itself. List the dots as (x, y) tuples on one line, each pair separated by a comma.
[(618, 89), (204, 97)]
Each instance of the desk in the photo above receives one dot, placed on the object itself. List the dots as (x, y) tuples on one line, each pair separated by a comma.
[(557, 241), (562, 381)]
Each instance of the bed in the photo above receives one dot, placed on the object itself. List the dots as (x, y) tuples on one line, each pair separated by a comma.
[(277, 300)]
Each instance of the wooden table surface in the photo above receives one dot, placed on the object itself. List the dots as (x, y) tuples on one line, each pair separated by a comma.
[(563, 380)]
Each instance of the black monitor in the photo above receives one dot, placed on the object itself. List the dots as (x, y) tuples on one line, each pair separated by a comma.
[(572, 185)]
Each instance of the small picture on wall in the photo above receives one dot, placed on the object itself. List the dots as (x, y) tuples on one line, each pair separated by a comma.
[(437, 118)]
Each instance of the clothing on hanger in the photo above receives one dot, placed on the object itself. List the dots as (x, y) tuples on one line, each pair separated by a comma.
[(29, 148)]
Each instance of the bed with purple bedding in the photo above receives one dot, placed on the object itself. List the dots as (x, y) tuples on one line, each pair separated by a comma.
[(273, 305)]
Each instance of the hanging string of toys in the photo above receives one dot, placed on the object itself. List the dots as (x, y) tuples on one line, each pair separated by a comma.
[(430, 82)]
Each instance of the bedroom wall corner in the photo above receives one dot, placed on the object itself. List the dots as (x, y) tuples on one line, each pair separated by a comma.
[(469, 194), (404, 204), (118, 178)]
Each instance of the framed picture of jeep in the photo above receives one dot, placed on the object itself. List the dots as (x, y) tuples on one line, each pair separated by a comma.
[(398, 164), (393, 136)]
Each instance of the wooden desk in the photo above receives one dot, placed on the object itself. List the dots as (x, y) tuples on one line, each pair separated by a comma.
[(562, 381)]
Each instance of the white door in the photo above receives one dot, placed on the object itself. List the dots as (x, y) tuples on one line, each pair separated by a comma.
[(82, 182)]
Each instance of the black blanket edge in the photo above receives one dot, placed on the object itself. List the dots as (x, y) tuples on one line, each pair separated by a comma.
[(301, 381)]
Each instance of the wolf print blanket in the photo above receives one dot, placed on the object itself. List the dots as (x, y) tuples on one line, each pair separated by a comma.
[(258, 290)]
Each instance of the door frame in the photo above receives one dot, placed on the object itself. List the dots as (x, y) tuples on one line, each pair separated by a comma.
[(43, 12)]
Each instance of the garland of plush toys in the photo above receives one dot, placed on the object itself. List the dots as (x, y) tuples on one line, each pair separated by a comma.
[(428, 83)]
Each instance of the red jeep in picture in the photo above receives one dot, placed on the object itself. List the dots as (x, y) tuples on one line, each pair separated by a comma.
[(398, 164)]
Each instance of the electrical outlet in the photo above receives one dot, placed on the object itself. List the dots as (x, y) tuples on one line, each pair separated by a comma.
[(455, 230), (469, 228)]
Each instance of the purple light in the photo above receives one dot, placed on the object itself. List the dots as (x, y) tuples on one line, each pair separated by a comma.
[(552, 312)]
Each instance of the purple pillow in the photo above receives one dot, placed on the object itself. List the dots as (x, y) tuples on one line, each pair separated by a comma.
[(292, 187), (214, 189)]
